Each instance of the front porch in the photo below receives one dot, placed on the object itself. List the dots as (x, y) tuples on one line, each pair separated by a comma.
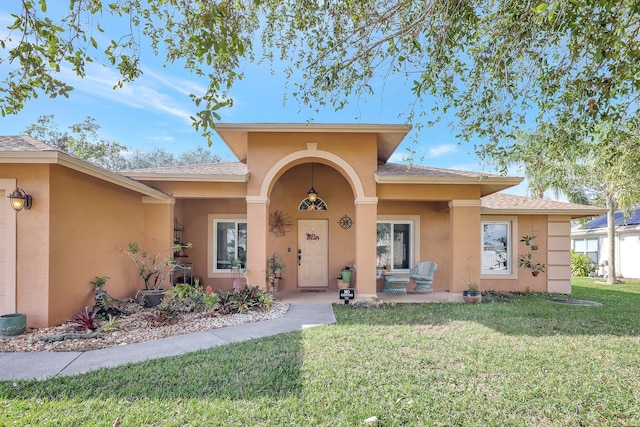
[(329, 297)]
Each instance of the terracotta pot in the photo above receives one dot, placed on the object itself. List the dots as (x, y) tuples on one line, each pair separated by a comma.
[(472, 297)]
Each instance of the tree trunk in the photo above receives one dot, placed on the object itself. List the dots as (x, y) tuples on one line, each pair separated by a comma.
[(611, 235)]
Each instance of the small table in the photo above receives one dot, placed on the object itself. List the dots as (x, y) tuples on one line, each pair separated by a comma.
[(395, 285)]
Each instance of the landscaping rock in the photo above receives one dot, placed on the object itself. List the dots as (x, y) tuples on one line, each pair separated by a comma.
[(370, 302)]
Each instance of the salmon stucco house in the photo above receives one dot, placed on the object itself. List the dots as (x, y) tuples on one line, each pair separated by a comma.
[(368, 213)]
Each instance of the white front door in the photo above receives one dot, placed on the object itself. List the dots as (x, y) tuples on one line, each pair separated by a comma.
[(313, 253)]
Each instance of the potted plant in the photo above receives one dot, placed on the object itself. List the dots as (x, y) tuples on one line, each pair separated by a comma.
[(235, 263), (345, 273), (526, 261), (154, 267), (276, 266), (472, 295), (527, 239)]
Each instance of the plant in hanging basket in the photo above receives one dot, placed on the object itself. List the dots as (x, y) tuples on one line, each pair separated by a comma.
[(526, 261)]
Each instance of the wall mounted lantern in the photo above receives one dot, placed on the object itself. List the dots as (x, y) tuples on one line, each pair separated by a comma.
[(312, 193), (19, 200)]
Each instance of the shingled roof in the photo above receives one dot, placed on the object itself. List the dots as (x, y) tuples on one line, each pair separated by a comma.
[(400, 170), (23, 143), (221, 171), (394, 173), (501, 203), (25, 149)]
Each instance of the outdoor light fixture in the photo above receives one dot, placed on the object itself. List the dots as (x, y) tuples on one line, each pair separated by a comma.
[(19, 200), (312, 194)]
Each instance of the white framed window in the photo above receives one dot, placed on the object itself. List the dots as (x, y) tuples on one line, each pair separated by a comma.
[(497, 251), (229, 243), (587, 246), (308, 205), (395, 244)]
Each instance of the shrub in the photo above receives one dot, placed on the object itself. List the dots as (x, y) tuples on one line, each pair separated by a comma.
[(85, 321), (110, 325), (159, 317), (186, 298), (581, 265), (246, 299)]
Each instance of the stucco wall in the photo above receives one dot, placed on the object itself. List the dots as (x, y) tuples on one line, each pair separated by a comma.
[(289, 190), (434, 239), (90, 220), (266, 149), (32, 242), (336, 192), (522, 280), (194, 214)]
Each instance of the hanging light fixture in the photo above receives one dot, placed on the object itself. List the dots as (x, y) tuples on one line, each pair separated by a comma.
[(19, 200), (312, 194)]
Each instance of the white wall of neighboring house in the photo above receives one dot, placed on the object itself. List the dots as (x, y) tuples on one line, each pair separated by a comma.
[(629, 254), (627, 248)]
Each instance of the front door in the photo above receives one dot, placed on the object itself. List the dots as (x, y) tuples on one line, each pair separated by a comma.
[(313, 253)]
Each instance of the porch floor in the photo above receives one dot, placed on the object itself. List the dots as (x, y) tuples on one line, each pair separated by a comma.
[(331, 296)]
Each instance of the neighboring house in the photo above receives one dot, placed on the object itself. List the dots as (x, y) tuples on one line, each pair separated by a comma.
[(368, 213), (591, 239)]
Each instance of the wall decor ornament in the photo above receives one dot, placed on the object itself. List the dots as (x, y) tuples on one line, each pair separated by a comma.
[(279, 223), (345, 222)]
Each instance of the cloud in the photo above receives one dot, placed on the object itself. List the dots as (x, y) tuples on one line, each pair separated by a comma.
[(145, 93), (441, 150)]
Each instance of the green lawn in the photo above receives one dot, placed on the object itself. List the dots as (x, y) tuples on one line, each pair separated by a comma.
[(515, 361)]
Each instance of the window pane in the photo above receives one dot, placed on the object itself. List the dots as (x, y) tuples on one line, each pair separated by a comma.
[(578, 245), (226, 244), (383, 244), (242, 244), (401, 243), (495, 251), (592, 245)]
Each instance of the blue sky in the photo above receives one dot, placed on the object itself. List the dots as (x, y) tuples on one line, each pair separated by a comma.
[(154, 111)]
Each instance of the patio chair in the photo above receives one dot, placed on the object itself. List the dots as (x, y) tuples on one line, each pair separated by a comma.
[(422, 276)]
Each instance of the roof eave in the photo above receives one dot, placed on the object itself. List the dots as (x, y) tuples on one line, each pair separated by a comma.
[(178, 177), (235, 135), (490, 185), (573, 213), (62, 159)]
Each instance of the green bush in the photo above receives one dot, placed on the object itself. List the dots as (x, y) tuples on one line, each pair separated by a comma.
[(581, 265), (243, 300)]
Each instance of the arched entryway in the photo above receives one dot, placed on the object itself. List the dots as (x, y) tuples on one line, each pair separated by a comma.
[(284, 187)]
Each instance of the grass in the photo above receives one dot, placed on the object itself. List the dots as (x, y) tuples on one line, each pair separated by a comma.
[(520, 360)]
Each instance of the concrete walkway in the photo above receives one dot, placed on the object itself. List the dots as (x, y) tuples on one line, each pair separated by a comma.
[(30, 365)]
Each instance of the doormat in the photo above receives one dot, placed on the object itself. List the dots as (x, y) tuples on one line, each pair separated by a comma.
[(576, 302)]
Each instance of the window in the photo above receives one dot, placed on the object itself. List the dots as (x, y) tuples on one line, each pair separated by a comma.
[(589, 247), (230, 243), (308, 205), (394, 244), (496, 247)]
